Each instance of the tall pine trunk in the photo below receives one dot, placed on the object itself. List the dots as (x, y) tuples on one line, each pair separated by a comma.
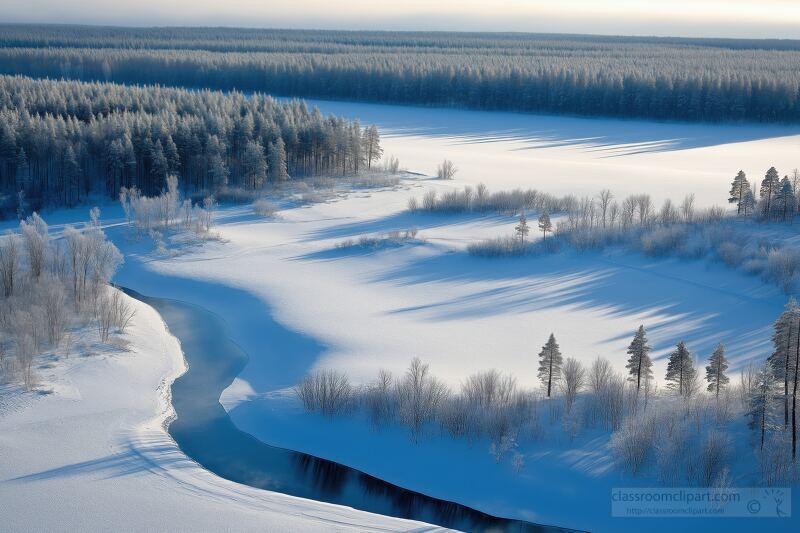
[(786, 376), (794, 400)]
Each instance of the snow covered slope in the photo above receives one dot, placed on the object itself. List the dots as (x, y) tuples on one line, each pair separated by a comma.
[(93, 455)]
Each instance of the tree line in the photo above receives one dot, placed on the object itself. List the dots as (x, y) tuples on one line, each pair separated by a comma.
[(692, 80), (62, 141)]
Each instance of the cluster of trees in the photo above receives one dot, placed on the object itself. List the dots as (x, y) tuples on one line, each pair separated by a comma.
[(691, 413), (774, 199), (50, 287), (631, 77), (153, 215), (62, 141)]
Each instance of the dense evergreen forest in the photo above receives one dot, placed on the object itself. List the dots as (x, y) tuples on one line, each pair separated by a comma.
[(661, 78), (61, 141)]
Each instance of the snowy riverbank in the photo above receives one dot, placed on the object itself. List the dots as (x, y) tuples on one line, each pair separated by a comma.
[(89, 451)]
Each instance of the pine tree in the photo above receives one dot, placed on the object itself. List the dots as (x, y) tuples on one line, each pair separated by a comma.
[(544, 224), (760, 409), (769, 188), (738, 191), (159, 166), (785, 343), (715, 371), (276, 161), (784, 199), (23, 174), (72, 176), (639, 364), (748, 202), (522, 228), (680, 370), (255, 164), (550, 361)]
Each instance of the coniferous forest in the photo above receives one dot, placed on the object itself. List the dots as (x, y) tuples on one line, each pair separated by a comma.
[(61, 141), (659, 78)]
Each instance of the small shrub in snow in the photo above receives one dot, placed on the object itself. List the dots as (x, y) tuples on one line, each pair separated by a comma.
[(374, 181), (663, 240), (782, 268), (498, 247), (712, 458), (264, 208), (326, 391), (391, 165), (446, 171), (633, 443)]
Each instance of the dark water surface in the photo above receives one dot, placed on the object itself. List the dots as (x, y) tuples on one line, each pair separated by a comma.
[(203, 430)]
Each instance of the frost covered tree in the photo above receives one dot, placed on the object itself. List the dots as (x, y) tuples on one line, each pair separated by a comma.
[(760, 404), (550, 362), (738, 192), (9, 262), (715, 371), (446, 171), (785, 334), (418, 396), (277, 161), (372, 145), (640, 367), (748, 202), (36, 239), (769, 188), (255, 164), (522, 228), (545, 225), (784, 199), (680, 370), (574, 380), (604, 198)]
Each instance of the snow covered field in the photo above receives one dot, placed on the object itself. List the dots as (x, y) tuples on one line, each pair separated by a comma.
[(295, 302), (579, 155)]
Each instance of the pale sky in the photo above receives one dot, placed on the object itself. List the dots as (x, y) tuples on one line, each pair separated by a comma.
[(706, 18)]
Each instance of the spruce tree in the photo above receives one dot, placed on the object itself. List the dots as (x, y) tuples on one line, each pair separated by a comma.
[(550, 361), (639, 364), (715, 371), (769, 188), (680, 370), (738, 191)]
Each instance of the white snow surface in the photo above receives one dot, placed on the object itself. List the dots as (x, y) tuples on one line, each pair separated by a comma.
[(579, 155), (296, 303), (89, 452)]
